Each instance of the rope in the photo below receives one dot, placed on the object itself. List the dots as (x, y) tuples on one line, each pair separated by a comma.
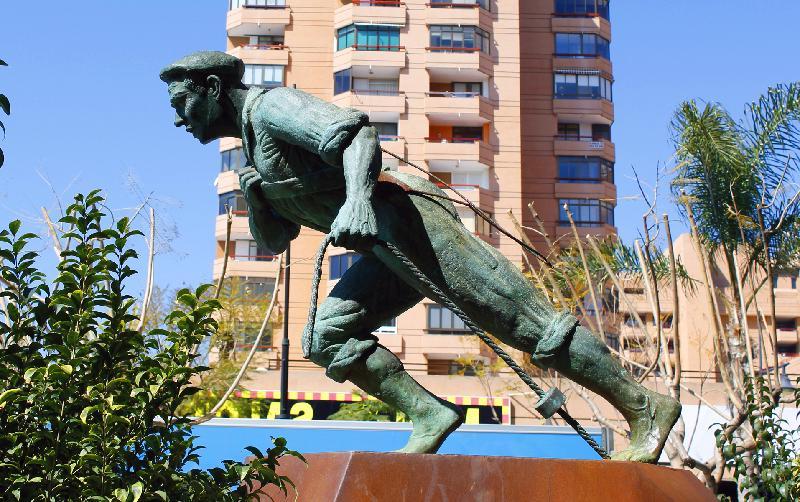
[(480, 212), (444, 300)]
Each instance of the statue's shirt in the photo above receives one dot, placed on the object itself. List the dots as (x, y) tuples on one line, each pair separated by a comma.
[(288, 135)]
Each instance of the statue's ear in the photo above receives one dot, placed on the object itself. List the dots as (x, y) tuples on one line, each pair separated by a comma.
[(214, 86)]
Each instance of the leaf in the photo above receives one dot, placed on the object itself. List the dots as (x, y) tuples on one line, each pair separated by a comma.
[(136, 490), (7, 395), (14, 226), (3, 63), (121, 494), (3, 127), (5, 104), (2, 157)]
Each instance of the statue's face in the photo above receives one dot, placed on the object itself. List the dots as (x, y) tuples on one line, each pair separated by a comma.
[(199, 112)]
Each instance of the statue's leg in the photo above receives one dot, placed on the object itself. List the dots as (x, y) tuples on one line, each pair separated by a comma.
[(497, 296), (367, 295)]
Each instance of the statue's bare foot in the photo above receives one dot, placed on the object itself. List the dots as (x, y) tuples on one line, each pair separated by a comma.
[(432, 429), (650, 426)]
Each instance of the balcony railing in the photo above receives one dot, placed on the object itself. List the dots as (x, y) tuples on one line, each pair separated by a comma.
[(375, 92), (464, 5), (254, 5), (378, 47), (251, 257), (443, 48), (389, 137), (265, 47), (458, 186), (378, 3), (240, 213), (452, 94), (455, 139)]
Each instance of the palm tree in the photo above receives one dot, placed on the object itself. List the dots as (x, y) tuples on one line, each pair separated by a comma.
[(740, 181)]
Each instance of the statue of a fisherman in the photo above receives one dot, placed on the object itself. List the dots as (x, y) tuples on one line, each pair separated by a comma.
[(313, 164)]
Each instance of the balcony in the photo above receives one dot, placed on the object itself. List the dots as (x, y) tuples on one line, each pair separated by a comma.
[(583, 146), (456, 106), (240, 229), (598, 64), (581, 24), (369, 100), (257, 20), (370, 12), (596, 111), (368, 55), (395, 145), (262, 54), (574, 189), (464, 64), (463, 14), (463, 149), (249, 266)]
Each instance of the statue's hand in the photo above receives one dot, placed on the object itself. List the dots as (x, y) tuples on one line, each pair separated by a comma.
[(355, 227), (250, 181)]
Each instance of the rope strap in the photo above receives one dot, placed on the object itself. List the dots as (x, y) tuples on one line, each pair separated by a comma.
[(444, 300)]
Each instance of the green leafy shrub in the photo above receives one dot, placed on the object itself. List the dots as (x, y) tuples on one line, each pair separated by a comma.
[(87, 402), (764, 462)]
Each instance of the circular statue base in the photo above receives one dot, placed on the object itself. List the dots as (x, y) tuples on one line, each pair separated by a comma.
[(395, 477)]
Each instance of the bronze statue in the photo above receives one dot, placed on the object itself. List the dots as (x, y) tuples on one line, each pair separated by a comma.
[(314, 164)]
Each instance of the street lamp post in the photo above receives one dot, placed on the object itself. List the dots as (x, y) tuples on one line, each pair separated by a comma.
[(285, 343)]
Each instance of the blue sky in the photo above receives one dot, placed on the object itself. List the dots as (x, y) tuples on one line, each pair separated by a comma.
[(89, 111)]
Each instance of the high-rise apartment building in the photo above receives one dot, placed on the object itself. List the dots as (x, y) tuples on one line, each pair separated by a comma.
[(508, 101)]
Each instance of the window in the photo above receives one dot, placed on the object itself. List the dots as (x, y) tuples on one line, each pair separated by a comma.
[(264, 4), (484, 4), (629, 320), (467, 89), (266, 41), (445, 38), (387, 131), (443, 321), (586, 212), (366, 37), (585, 170), (462, 134), (787, 349), (589, 8), (482, 227), (570, 132), (612, 340), (388, 326), (452, 367), (601, 132), (376, 86), (574, 86), (339, 264), (257, 287), (786, 325), (233, 160), (263, 75), (234, 200), (581, 45), (256, 252), (341, 81)]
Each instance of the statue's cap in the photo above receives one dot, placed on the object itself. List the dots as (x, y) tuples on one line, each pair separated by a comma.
[(201, 64)]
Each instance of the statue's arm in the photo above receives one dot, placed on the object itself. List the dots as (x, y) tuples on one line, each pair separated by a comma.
[(269, 229), (356, 226)]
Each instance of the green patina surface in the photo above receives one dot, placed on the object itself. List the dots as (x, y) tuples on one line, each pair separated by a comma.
[(317, 165)]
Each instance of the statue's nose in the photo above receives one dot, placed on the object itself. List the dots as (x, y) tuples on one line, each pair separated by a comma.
[(178, 121)]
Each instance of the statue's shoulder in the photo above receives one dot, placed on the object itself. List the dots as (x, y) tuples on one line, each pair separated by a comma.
[(290, 100)]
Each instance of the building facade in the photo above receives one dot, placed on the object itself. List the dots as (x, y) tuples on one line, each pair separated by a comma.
[(507, 101)]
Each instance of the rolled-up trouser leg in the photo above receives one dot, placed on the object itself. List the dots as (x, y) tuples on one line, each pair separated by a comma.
[(366, 296)]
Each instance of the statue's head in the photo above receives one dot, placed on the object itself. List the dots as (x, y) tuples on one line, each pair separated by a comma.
[(198, 90)]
